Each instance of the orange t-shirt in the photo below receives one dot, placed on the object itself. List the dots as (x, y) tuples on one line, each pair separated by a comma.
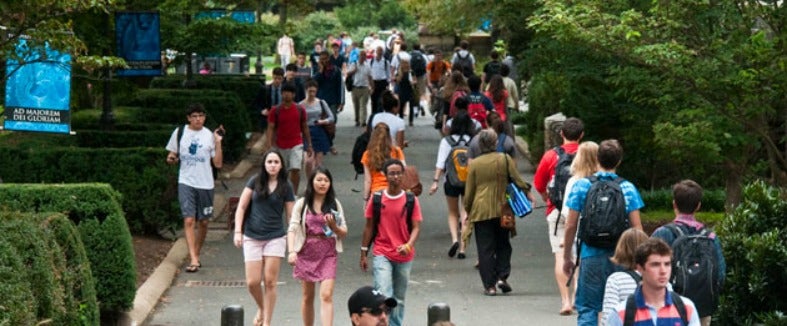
[(379, 181), (436, 70)]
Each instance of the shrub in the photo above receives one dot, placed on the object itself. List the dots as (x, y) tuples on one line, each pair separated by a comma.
[(661, 199), (141, 174), (123, 139), (17, 299), (96, 210), (245, 87), (313, 26), (754, 243)]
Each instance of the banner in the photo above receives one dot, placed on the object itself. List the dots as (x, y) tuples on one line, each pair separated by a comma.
[(241, 16), (138, 39), (38, 91)]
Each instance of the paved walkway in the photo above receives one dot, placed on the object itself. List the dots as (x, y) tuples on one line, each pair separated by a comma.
[(197, 299)]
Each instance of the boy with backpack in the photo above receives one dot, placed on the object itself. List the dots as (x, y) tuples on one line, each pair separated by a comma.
[(478, 105), (492, 67), (653, 303), (695, 249), (464, 60), (418, 67), (609, 205), (550, 181), (289, 134)]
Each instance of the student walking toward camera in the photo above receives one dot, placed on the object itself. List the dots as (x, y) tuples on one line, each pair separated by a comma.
[(288, 132), (318, 117), (315, 234), (609, 205), (195, 147), (268, 199), (393, 223)]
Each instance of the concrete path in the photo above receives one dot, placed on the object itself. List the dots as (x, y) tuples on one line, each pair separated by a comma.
[(197, 299)]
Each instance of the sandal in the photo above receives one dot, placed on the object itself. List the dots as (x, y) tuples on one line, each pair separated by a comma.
[(192, 269)]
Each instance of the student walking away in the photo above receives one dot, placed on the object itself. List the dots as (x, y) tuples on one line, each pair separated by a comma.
[(389, 117), (698, 266), (622, 284), (609, 205), (264, 205), (329, 79), (289, 134), (404, 90), (653, 303), (512, 101), (397, 59), (291, 76), (418, 62), (369, 307), (381, 76), (550, 179), (505, 143), (454, 89), (478, 105), (498, 94), (453, 160), (362, 82), (492, 68), (585, 164), (314, 240), (320, 119), (485, 191), (461, 108), (195, 148), (268, 97), (379, 150), (392, 237), (463, 60)]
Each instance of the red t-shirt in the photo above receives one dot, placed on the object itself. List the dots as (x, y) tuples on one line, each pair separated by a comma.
[(546, 169), (392, 230), (288, 125)]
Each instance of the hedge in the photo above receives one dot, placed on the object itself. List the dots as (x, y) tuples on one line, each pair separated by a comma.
[(141, 174), (123, 139), (95, 208), (169, 106), (661, 199), (245, 87), (16, 298)]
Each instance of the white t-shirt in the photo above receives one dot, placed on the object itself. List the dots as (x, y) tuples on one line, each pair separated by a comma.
[(445, 149), (197, 147), (395, 123)]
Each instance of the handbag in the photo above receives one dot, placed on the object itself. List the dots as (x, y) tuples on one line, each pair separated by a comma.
[(516, 198), (348, 81), (330, 128), (411, 181), (507, 220)]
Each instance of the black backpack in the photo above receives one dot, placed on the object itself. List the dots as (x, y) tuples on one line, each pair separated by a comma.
[(361, 142), (492, 68), (631, 309), (464, 64), (377, 206), (557, 186), (604, 217), (695, 268), (417, 63)]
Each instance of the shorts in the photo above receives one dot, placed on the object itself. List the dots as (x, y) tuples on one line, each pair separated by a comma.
[(556, 241), (293, 157), (197, 203), (452, 191), (255, 250)]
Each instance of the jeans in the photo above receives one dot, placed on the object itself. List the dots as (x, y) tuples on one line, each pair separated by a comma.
[(593, 273), (390, 278)]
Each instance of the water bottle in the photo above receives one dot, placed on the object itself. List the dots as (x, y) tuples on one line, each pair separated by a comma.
[(327, 229)]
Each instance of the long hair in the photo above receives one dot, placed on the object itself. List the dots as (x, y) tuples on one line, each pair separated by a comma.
[(330, 196), (497, 88), (586, 161), (627, 246), (261, 186), (461, 124), (379, 148), (455, 83)]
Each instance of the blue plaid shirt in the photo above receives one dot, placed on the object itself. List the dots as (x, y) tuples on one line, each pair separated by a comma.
[(578, 194)]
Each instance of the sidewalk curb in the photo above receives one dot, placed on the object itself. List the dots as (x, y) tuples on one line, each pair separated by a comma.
[(150, 292)]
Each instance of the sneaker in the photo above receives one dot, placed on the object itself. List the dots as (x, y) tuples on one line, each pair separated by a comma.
[(504, 286)]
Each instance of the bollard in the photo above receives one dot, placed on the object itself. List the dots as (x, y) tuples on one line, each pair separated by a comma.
[(232, 315), (438, 312)]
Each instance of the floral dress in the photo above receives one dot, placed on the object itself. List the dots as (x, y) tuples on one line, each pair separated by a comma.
[(317, 259)]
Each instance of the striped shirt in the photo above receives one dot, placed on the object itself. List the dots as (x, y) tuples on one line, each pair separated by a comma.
[(620, 285), (650, 316)]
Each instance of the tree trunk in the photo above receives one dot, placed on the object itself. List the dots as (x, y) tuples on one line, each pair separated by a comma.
[(282, 14), (733, 186)]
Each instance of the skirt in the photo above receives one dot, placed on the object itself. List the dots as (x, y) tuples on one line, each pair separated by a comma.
[(320, 141)]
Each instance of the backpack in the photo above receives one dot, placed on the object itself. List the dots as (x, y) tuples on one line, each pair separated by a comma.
[(361, 142), (492, 68), (456, 164), (452, 105), (476, 109), (695, 268), (631, 309), (377, 206), (417, 63), (604, 217), (557, 186), (464, 64), (212, 167)]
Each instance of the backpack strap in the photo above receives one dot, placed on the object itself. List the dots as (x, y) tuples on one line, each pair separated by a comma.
[(637, 278), (631, 310), (676, 231), (501, 140), (409, 206), (681, 307), (377, 205), (181, 130)]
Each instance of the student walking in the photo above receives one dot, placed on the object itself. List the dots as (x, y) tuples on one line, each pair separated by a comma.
[(379, 150), (318, 117), (289, 133), (622, 284), (269, 200)]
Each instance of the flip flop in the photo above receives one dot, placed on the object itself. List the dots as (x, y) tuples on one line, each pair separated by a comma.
[(192, 269)]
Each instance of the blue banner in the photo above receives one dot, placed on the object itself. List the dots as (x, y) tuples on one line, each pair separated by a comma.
[(38, 91), (138, 39), (241, 16)]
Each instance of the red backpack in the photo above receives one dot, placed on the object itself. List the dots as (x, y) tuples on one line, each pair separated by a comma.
[(452, 108), (476, 109)]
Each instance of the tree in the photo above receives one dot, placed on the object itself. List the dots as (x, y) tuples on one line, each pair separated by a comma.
[(712, 79)]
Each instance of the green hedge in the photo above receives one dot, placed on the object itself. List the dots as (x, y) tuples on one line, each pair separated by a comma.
[(149, 185), (245, 87), (661, 199), (102, 227), (17, 297), (169, 106), (123, 139), (56, 266)]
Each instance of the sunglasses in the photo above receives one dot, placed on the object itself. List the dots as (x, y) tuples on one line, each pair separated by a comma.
[(377, 312)]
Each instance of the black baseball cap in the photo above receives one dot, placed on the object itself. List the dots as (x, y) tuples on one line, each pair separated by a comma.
[(368, 297)]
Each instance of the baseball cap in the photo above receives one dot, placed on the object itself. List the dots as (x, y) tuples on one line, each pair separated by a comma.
[(368, 297)]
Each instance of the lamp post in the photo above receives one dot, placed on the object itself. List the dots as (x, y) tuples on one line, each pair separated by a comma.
[(107, 116)]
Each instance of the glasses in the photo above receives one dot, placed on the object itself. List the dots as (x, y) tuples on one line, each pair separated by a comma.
[(395, 174), (377, 312)]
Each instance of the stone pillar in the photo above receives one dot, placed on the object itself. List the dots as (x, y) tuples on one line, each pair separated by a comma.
[(438, 312), (552, 126)]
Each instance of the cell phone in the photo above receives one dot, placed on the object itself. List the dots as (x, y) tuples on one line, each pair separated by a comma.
[(220, 132)]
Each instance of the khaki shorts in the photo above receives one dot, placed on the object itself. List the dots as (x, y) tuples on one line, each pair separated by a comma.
[(420, 87), (293, 157), (255, 250), (556, 241)]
